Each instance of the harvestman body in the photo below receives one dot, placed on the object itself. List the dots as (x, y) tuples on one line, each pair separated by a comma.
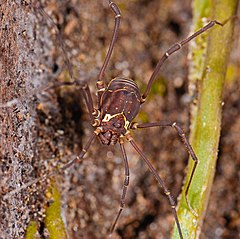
[(112, 120)]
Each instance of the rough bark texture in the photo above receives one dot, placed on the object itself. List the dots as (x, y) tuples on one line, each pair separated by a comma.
[(41, 130), (32, 124), (20, 77)]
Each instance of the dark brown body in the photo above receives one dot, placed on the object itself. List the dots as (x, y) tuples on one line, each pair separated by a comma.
[(119, 105)]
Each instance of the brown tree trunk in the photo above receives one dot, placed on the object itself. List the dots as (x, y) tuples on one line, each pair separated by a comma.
[(26, 140)]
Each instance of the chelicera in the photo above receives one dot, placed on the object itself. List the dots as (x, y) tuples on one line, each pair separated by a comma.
[(118, 104)]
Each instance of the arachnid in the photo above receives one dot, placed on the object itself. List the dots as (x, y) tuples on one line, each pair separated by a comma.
[(118, 103)]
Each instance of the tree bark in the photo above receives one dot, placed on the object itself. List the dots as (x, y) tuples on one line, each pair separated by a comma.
[(28, 141)]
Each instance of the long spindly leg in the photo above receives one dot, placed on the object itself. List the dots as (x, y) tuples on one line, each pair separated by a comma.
[(117, 13), (84, 89), (159, 180), (59, 38), (125, 185), (60, 170), (88, 100), (186, 143), (169, 52)]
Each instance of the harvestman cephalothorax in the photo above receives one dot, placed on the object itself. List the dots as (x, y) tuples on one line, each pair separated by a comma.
[(118, 103)]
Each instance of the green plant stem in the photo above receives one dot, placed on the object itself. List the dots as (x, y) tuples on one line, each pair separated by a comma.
[(53, 220), (206, 117)]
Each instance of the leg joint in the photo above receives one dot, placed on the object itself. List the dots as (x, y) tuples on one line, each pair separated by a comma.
[(167, 193)]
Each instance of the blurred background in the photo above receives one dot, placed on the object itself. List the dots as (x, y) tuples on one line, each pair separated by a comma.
[(91, 191)]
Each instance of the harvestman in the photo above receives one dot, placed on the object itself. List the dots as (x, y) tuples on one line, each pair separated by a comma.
[(117, 105)]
